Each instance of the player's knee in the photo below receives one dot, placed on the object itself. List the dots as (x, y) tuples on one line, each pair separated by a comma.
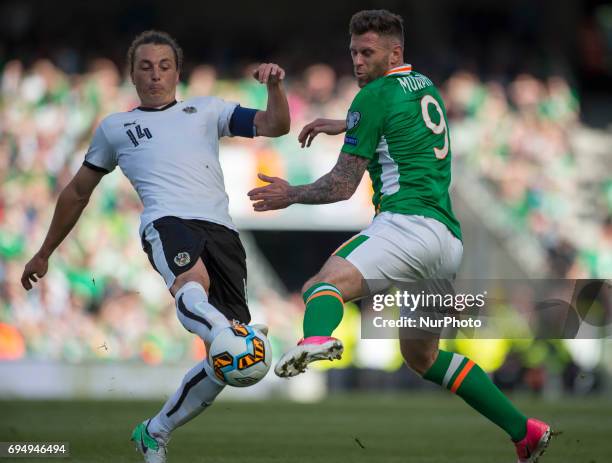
[(312, 281), (191, 275), (320, 278), (419, 359)]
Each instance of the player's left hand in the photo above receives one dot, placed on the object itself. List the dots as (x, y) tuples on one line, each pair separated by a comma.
[(276, 195), (269, 73)]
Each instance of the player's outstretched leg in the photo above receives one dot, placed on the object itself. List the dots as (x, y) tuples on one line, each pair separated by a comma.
[(324, 310), (465, 378), (199, 388), (197, 392)]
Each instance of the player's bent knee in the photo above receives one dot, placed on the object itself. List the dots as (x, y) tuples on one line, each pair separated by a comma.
[(418, 359), (419, 363), (311, 282), (340, 274), (320, 278), (335, 278), (197, 274)]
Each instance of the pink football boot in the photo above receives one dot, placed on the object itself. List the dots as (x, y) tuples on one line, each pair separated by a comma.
[(535, 442)]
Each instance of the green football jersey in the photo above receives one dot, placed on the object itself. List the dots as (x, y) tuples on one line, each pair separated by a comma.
[(399, 123)]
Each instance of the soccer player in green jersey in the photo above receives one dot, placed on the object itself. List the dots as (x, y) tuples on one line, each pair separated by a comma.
[(396, 128)]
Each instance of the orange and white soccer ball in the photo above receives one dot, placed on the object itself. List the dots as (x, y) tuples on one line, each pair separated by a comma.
[(240, 355)]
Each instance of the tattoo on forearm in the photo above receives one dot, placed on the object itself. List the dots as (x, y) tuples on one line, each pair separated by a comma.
[(337, 185)]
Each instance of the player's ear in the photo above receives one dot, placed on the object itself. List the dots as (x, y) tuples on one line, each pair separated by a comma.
[(397, 54)]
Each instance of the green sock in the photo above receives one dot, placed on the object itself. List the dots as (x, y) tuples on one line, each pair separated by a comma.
[(324, 307), (462, 376)]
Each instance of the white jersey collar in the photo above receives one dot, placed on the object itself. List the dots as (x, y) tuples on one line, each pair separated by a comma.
[(162, 108)]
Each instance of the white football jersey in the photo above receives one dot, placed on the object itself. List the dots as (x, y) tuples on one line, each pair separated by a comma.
[(170, 156)]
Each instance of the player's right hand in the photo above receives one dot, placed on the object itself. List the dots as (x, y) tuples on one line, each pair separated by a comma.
[(275, 195), (328, 126), (36, 268)]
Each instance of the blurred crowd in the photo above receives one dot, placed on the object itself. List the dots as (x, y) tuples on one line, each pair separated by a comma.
[(101, 300), (520, 138)]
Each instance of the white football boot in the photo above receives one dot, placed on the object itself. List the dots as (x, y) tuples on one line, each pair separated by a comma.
[(308, 350)]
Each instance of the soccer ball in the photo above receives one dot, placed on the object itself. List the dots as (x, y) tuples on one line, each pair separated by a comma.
[(240, 355)]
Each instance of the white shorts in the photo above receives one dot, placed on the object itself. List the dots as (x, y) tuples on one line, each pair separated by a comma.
[(403, 248)]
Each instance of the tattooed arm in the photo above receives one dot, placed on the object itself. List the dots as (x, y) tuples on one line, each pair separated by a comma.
[(337, 185)]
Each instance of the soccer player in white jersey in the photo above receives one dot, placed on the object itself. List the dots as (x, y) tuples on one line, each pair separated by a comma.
[(169, 151)]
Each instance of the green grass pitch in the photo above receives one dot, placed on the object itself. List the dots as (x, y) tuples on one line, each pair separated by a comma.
[(410, 427)]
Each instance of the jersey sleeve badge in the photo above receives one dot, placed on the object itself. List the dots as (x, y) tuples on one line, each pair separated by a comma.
[(352, 119)]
